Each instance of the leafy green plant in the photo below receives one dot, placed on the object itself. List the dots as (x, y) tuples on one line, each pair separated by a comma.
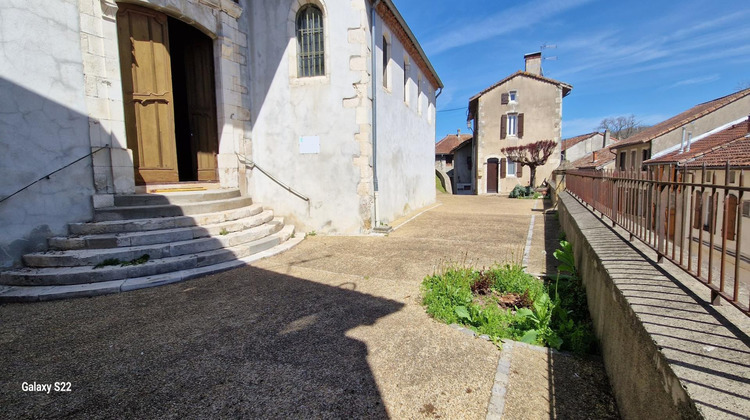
[(223, 231), (567, 260)]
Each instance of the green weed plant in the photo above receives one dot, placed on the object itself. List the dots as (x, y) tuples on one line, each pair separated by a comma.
[(557, 315)]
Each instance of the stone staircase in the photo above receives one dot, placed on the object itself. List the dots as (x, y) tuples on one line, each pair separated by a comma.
[(148, 240)]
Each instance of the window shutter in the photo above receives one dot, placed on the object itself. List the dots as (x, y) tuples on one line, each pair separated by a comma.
[(504, 99), (519, 170), (503, 126), (520, 126), (503, 165)]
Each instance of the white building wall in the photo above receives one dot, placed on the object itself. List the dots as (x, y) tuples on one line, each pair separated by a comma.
[(405, 134), (43, 125), (285, 108)]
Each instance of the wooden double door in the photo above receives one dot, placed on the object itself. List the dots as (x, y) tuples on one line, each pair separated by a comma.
[(169, 96)]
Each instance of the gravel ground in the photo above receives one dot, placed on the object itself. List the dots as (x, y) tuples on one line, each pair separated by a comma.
[(331, 328)]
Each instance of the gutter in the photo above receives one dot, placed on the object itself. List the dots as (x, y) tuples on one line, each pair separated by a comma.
[(374, 87)]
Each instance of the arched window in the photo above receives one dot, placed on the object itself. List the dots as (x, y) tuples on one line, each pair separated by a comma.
[(310, 48)]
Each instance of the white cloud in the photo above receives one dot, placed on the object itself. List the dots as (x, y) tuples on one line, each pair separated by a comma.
[(695, 81), (504, 22)]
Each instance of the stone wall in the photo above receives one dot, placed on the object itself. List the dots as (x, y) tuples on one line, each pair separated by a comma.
[(43, 125), (667, 352)]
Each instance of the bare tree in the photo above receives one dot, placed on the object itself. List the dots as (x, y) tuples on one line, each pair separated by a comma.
[(621, 127), (531, 155)]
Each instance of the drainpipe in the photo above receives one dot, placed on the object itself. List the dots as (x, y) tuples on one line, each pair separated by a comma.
[(373, 80), (682, 142)]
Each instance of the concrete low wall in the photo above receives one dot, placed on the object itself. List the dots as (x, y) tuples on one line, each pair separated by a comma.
[(667, 352)]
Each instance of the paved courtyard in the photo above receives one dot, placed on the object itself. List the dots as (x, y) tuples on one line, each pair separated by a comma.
[(331, 328)]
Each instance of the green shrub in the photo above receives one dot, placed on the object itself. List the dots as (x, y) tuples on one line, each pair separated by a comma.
[(556, 317)]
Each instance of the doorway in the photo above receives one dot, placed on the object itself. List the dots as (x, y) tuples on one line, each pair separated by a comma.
[(492, 176), (169, 95)]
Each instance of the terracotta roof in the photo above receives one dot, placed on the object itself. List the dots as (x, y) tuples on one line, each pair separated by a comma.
[(683, 118), (597, 159), (566, 87), (568, 143), (731, 144), (449, 143), (393, 19)]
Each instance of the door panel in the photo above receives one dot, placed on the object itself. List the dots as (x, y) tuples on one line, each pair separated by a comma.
[(147, 93), (202, 107), (492, 176)]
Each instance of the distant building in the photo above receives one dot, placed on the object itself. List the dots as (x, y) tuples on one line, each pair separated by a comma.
[(633, 151), (523, 108), (453, 163), (704, 160), (577, 147)]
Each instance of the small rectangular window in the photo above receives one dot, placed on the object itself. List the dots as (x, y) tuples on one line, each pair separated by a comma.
[(511, 169), (732, 177), (512, 95), (419, 94), (746, 208), (406, 80), (386, 61), (622, 161)]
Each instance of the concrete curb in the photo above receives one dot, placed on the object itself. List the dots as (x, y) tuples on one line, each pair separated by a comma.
[(502, 374)]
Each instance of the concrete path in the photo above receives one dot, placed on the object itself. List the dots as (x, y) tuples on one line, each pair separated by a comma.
[(331, 328)]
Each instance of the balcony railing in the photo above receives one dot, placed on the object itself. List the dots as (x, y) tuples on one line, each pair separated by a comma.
[(691, 216)]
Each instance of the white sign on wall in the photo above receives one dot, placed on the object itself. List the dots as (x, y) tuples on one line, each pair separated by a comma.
[(309, 145)]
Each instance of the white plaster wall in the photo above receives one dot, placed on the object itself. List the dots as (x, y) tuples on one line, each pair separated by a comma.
[(584, 148), (737, 109), (405, 135), (43, 124), (285, 107)]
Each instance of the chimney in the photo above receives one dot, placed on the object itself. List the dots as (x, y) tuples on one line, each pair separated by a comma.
[(606, 139), (534, 63)]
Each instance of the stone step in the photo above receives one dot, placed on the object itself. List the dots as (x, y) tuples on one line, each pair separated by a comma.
[(169, 210), (44, 293), (92, 257), (67, 276), (175, 197), (157, 223), (115, 240)]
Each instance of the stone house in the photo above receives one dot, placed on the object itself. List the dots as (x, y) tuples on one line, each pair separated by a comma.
[(633, 151), (451, 164), (279, 100), (523, 108)]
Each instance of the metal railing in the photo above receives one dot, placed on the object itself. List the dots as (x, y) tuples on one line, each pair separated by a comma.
[(7, 197), (683, 214)]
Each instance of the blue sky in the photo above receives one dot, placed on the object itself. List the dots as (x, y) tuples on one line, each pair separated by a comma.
[(653, 59)]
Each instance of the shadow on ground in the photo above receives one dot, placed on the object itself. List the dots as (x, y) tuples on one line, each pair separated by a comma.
[(578, 384), (270, 345)]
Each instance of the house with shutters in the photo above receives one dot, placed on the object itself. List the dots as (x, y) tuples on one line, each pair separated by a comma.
[(523, 108), (314, 115)]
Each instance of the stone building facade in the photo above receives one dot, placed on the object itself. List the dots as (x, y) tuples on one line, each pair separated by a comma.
[(215, 91), (523, 108)]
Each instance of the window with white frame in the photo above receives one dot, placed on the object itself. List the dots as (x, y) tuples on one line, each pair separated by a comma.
[(512, 95), (310, 42), (512, 124), (510, 170)]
